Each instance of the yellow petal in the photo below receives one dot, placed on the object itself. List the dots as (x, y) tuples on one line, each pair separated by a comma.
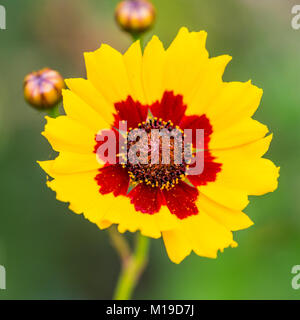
[(65, 134), (68, 162), (250, 150), (177, 245), (202, 234), (106, 70), (91, 96), (206, 235), (233, 198), (165, 220), (232, 219), (243, 168), (78, 110), (152, 70), (204, 85), (123, 213), (180, 73), (133, 63), (80, 189), (103, 224), (234, 102), (255, 176), (243, 132)]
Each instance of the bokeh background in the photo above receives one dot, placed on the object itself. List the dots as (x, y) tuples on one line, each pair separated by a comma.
[(51, 253)]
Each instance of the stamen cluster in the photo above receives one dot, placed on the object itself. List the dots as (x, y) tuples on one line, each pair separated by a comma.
[(158, 174)]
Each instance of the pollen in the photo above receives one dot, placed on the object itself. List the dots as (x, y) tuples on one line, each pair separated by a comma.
[(160, 172)]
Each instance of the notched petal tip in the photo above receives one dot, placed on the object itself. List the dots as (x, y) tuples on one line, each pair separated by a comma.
[(104, 224), (71, 81), (47, 166), (257, 91), (221, 61), (277, 175), (152, 235), (234, 244), (134, 49), (178, 261), (49, 122), (250, 82), (155, 42), (184, 29), (201, 35), (105, 50)]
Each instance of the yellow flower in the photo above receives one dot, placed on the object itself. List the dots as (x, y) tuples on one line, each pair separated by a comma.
[(179, 87)]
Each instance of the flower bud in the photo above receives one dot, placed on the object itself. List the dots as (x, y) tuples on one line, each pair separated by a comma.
[(43, 88), (135, 16)]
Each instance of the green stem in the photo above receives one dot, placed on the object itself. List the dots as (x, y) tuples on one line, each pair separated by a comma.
[(54, 112), (132, 269), (138, 36), (120, 244)]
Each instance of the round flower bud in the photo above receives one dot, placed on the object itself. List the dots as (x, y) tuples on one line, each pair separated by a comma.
[(135, 16), (43, 88)]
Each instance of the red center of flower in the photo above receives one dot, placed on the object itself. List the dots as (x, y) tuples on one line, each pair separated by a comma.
[(150, 185)]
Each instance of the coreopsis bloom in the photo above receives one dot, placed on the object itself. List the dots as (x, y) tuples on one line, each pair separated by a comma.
[(177, 88)]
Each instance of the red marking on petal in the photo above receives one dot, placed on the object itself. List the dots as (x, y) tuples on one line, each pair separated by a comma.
[(171, 107), (146, 199), (209, 173), (131, 111), (211, 168), (113, 178), (197, 122), (181, 200)]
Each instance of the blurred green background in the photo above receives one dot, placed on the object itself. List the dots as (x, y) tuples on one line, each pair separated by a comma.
[(51, 253)]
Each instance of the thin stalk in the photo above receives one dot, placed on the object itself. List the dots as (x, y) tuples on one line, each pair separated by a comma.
[(120, 244), (137, 36), (133, 269), (54, 112)]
